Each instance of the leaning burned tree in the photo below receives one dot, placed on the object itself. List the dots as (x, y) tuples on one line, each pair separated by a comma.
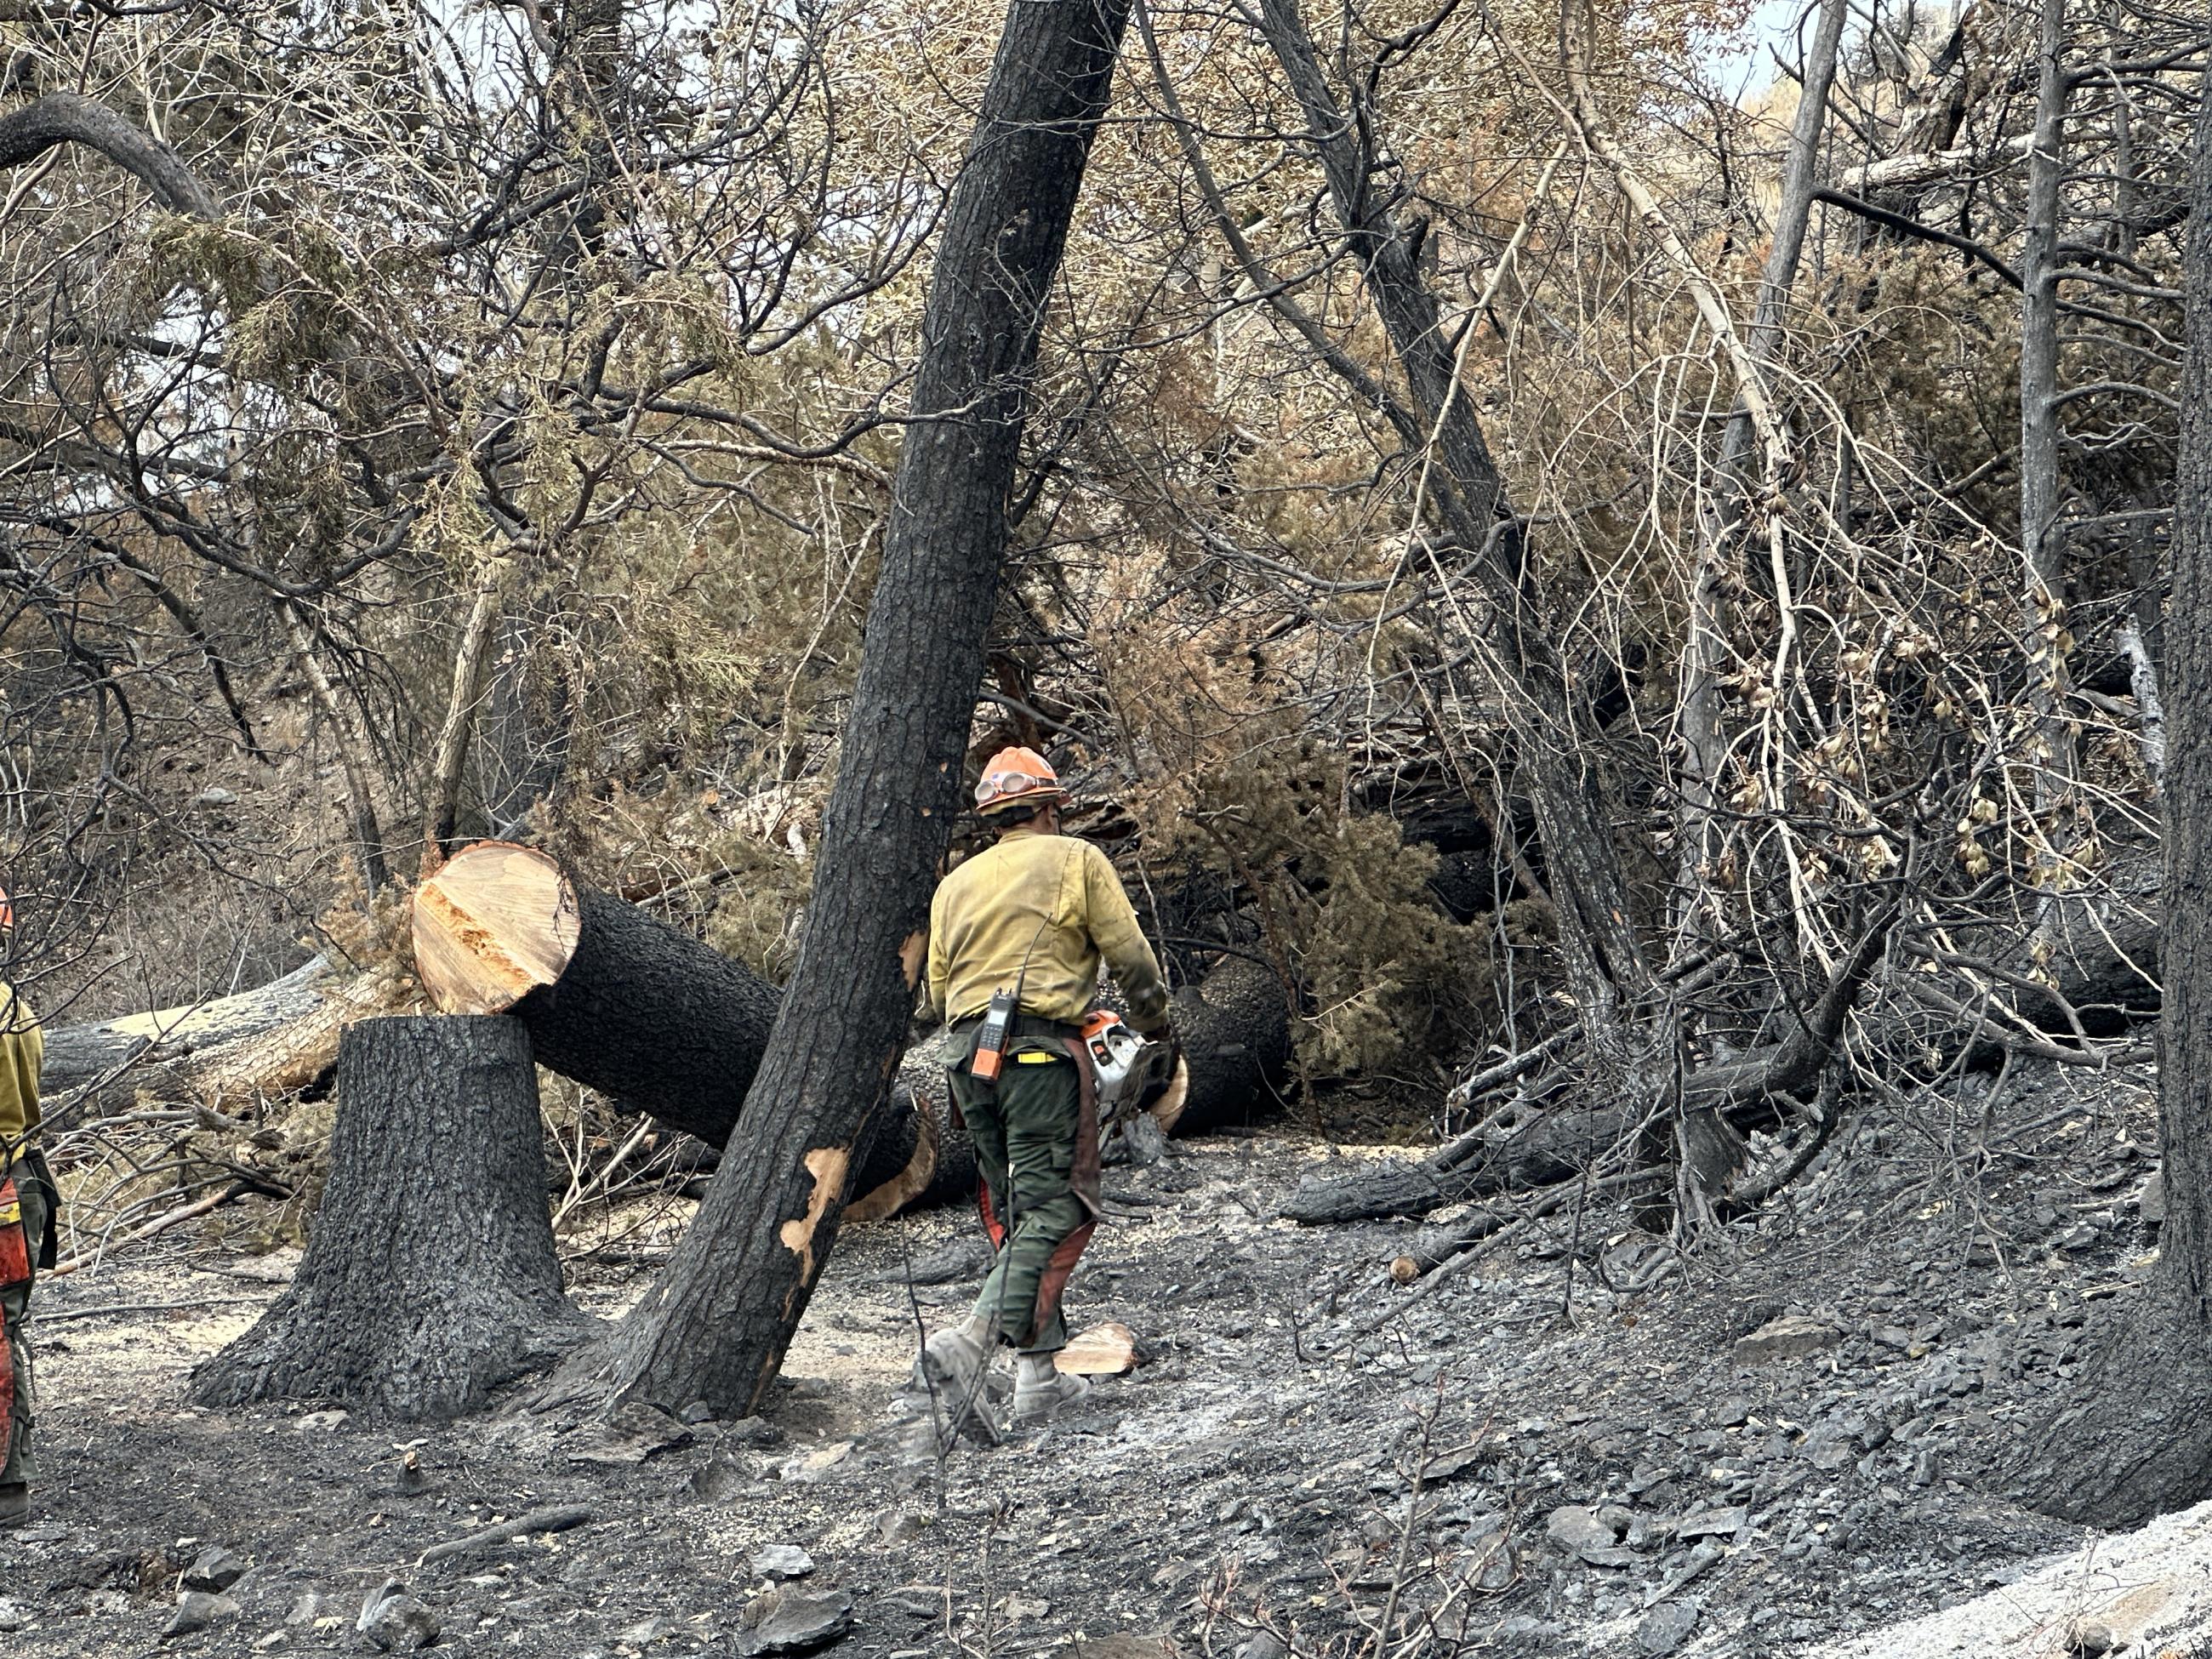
[(430, 1276), (715, 1325), (2135, 1437)]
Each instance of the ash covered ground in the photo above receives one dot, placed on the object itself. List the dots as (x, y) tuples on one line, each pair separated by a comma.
[(1569, 1445)]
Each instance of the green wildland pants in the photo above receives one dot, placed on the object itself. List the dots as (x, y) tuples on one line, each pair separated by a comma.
[(24, 1219), (1036, 1147)]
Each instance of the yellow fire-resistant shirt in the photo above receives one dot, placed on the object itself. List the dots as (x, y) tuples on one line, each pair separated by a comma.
[(22, 1050), (1054, 903)]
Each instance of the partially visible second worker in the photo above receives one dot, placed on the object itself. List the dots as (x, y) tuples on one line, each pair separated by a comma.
[(1029, 921), (26, 1230)]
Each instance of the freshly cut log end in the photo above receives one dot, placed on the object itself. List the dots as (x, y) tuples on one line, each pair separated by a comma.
[(1167, 1111), (495, 923), (430, 1276), (900, 1161), (614, 998)]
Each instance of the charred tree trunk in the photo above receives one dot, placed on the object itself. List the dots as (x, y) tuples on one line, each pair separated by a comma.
[(1235, 1030), (623, 1003), (2137, 1436), (430, 1276), (714, 1327), (78, 1054)]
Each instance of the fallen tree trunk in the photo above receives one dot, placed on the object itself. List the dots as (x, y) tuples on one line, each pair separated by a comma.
[(612, 997), (1548, 1146), (78, 1054), (430, 1276), (1235, 1030)]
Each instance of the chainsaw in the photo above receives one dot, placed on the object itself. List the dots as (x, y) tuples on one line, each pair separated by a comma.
[(1124, 1067)]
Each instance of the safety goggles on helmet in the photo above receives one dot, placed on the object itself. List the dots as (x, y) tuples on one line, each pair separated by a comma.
[(1016, 777)]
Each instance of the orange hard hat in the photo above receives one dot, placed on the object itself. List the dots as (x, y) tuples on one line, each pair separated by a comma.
[(7, 911), (1016, 777)]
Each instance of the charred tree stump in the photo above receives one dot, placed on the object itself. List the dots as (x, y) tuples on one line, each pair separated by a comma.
[(614, 999), (430, 1276)]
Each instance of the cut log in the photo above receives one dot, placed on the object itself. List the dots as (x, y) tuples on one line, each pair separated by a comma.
[(612, 998), (1235, 1030), (1443, 1237), (429, 1278), (78, 1054), (1106, 1349)]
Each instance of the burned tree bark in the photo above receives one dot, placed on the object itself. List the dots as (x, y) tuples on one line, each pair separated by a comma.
[(2136, 1437), (621, 1002), (430, 1276), (715, 1325), (1235, 1031), (69, 117)]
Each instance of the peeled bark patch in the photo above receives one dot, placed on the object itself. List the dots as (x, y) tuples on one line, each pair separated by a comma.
[(827, 1165), (430, 1276)]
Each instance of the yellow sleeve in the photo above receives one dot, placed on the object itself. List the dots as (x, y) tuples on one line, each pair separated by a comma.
[(940, 966), (1113, 924)]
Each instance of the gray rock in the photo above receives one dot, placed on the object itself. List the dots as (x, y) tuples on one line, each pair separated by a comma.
[(790, 1620), (196, 1610), (11, 1618), (755, 1431), (307, 1607), (216, 797), (1733, 1413), (696, 1412), (901, 1526), (1499, 1571), (1712, 1524), (1790, 1337), (1666, 1626), (782, 1561), (214, 1569), (399, 1623), (1264, 1645), (719, 1479), (628, 1434), (1577, 1527), (644, 1633), (2152, 1203)]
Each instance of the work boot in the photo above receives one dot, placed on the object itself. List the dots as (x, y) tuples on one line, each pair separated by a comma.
[(952, 1372), (15, 1505), (1041, 1394)]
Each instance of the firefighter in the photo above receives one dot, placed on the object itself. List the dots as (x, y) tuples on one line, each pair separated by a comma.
[(25, 1235), (1033, 916)]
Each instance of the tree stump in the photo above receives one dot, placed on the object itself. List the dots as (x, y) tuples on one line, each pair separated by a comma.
[(430, 1276)]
